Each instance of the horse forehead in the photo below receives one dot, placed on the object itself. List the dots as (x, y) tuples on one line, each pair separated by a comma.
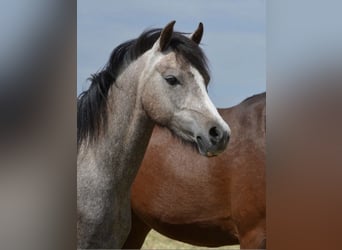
[(198, 78), (168, 60), (172, 60)]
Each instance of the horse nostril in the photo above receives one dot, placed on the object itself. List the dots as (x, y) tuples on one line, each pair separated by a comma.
[(215, 135)]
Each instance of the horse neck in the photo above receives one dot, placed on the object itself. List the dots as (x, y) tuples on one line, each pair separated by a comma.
[(121, 147), (130, 123)]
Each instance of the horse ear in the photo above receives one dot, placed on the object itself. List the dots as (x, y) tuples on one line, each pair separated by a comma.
[(165, 36), (197, 35)]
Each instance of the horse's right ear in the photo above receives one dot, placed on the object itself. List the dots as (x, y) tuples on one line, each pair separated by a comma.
[(197, 35), (165, 36)]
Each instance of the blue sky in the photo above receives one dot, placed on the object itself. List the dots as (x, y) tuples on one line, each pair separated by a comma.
[(234, 38)]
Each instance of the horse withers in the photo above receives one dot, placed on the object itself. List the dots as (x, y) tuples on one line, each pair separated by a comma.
[(206, 201), (158, 78)]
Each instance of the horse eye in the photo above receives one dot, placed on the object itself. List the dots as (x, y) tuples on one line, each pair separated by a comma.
[(172, 80)]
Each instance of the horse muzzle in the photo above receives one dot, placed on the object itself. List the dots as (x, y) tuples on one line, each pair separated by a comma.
[(214, 142)]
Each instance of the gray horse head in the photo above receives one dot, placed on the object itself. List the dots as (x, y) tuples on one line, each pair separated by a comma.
[(173, 87)]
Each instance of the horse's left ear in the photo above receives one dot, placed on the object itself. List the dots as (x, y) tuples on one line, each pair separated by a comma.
[(197, 35), (165, 36)]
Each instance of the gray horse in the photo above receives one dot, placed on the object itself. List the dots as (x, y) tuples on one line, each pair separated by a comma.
[(159, 78)]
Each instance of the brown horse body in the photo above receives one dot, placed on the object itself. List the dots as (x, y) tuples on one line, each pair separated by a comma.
[(205, 201)]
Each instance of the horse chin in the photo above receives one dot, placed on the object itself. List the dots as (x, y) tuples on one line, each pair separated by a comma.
[(198, 144), (203, 148)]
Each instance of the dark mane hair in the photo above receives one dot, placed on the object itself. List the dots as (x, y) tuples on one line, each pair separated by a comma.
[(91, 104)]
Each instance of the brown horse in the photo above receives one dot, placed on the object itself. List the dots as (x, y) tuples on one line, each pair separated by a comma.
[(201, 201)]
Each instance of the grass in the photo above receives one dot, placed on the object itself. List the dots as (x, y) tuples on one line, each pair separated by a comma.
[(154, 240)]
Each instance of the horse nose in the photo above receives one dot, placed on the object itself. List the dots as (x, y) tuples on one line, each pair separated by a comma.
[(215, 142), (218, 136)]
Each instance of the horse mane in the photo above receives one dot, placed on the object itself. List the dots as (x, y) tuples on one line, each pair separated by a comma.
[(91, 104)]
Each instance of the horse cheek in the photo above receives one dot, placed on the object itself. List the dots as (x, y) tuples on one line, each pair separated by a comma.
[(157, 107)]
